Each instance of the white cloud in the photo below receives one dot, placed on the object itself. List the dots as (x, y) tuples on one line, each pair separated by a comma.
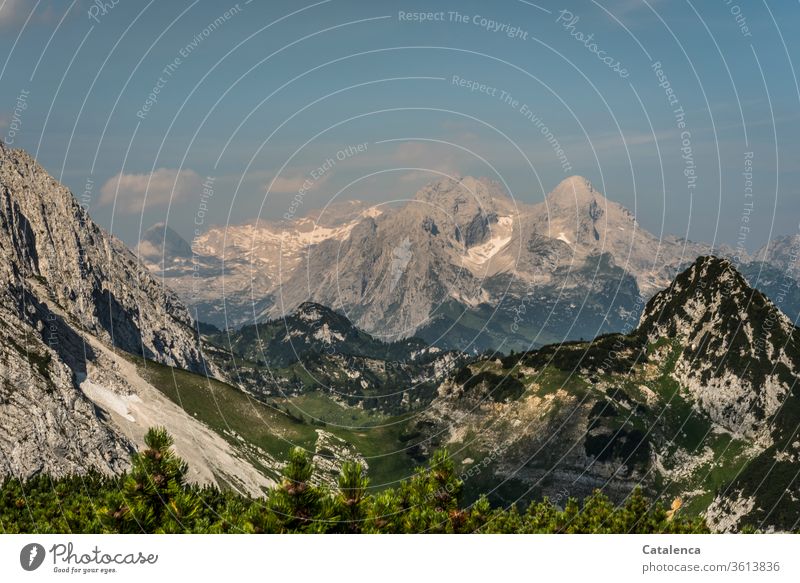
[(294, 182), (15, 12), (10, 11), (135, 193)]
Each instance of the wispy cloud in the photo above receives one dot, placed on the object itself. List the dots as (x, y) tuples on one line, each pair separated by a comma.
[(135, 193), (11, 11), (292, 183), (15, 12)]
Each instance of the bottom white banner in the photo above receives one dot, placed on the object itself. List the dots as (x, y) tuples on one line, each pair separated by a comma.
[(335, 558)]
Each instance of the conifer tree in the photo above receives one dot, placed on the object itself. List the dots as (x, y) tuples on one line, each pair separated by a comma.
[(430, 499), (350, 501), (300, 506), (154, 498)]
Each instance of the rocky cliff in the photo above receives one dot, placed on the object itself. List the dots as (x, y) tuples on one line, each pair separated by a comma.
[(75, 307), (47, 237)]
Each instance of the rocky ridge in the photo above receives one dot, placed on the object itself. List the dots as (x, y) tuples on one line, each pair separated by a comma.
[(739, 357), (73, 299)]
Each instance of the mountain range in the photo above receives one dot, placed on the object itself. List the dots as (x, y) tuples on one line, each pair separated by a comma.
[(693, 397), (462, 265)]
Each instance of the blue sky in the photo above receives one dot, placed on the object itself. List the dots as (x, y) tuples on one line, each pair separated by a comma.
[(258, 96)]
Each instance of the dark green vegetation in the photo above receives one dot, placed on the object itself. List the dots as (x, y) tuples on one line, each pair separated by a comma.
[(317, 350), (154, 498), (311, 330)]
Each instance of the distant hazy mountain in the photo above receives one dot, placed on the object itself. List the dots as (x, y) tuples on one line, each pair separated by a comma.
[(783, 253), (462, 265), (161, 246), (228, 275), (777, 285)]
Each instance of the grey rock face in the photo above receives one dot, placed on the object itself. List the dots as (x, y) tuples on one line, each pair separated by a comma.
[(46, 235), (62, 280), (46, 424), (452, 265), (740, 358)]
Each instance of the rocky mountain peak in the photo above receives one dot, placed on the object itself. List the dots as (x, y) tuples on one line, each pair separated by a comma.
[(461, 196), (467, 207), (311, 329), (738, 354), (710, 288), (312, 312), (316, 324), (578, 214), (575, 191), (162, 244)]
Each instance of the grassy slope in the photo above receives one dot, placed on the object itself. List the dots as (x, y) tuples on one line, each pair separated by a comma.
[(230, 412)]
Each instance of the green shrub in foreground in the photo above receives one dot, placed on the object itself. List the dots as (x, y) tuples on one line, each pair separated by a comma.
[(154, 497)]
